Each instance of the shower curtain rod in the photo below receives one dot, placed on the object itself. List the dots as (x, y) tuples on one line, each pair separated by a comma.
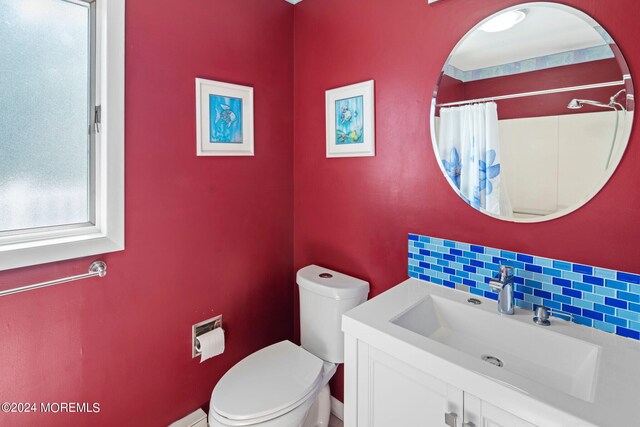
[(535, 93)]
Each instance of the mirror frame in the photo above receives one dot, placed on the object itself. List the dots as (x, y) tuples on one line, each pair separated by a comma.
[(615, 162)]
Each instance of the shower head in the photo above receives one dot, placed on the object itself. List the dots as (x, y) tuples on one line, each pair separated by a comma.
[(576, 104)]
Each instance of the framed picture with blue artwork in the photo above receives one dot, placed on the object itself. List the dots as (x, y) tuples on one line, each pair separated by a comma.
[(224, 119), (350, 121)]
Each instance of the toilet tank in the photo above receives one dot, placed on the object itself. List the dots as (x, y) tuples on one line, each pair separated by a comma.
[(325, 295)]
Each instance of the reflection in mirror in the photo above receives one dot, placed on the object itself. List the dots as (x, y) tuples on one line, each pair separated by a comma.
[(532, 112)]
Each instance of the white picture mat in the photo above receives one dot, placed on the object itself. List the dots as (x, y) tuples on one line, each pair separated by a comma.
[(365, 149), (204, 88)]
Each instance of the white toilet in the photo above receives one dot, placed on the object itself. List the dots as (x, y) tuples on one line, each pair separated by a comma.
[(284, 385)]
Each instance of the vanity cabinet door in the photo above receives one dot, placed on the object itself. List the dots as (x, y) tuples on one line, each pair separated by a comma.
[(392, 393), (483, 414)]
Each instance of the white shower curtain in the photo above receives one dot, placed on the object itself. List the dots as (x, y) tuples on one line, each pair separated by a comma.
[(469, 148)]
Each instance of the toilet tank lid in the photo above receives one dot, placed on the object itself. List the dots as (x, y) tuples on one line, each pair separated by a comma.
[(331, 284)]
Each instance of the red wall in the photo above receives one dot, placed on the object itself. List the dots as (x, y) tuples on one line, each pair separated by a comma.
[(353, 215), (214, 235), (204, 236)]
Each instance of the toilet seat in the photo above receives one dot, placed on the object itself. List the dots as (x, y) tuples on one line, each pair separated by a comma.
[(266, 384), (291, 416)]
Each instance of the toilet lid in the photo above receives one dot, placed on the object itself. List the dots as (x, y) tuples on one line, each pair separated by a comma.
[(266, 382)]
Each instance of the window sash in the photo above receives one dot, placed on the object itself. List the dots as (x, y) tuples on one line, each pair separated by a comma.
[(36, 233), (105, 233)]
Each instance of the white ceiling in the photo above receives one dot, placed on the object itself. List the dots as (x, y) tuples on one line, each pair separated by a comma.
[(545, 31)]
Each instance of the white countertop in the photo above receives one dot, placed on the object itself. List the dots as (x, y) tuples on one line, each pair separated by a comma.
[(617, 388)]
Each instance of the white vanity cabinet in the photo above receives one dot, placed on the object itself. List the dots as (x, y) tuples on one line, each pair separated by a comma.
[(389, 392), (420, 351), (484, 414), (393, 393)]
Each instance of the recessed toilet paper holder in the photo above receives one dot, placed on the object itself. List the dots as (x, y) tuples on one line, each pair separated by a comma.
[(202, 328)]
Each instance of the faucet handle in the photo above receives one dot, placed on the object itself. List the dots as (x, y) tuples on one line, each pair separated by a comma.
[(506, 272), (504, 277), (495, 285)]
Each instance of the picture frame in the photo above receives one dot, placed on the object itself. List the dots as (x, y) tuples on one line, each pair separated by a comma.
[(224, 119), (350, 120)]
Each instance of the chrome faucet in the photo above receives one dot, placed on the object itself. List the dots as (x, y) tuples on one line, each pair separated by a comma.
[(504, 286)]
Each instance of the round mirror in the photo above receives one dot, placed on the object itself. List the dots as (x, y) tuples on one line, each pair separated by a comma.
[(532, 112)]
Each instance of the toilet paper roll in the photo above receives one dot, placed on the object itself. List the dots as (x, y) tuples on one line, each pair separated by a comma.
[(210, 344)]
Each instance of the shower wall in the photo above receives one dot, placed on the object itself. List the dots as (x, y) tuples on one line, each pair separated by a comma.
[(551, 162)]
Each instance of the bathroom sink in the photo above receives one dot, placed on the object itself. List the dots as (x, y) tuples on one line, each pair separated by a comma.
[(557, 361)]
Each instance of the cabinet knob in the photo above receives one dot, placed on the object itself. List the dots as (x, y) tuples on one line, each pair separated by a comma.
[(451, 419)]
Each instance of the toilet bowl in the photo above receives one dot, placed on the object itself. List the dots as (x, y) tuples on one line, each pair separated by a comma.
[(285, 385)]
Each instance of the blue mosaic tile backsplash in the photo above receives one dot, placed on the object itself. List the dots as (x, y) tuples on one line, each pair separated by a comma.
[(605, 299)]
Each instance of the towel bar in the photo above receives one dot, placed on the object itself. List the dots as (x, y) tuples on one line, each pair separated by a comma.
[(97, 268)]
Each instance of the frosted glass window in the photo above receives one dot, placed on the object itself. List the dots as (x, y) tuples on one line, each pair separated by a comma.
[(45, 114)]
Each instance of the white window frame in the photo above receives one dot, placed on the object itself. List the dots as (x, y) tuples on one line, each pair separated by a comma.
[(107, 235)]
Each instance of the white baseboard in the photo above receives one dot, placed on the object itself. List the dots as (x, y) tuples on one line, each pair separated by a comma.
[(337, 408), (198, 418)]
